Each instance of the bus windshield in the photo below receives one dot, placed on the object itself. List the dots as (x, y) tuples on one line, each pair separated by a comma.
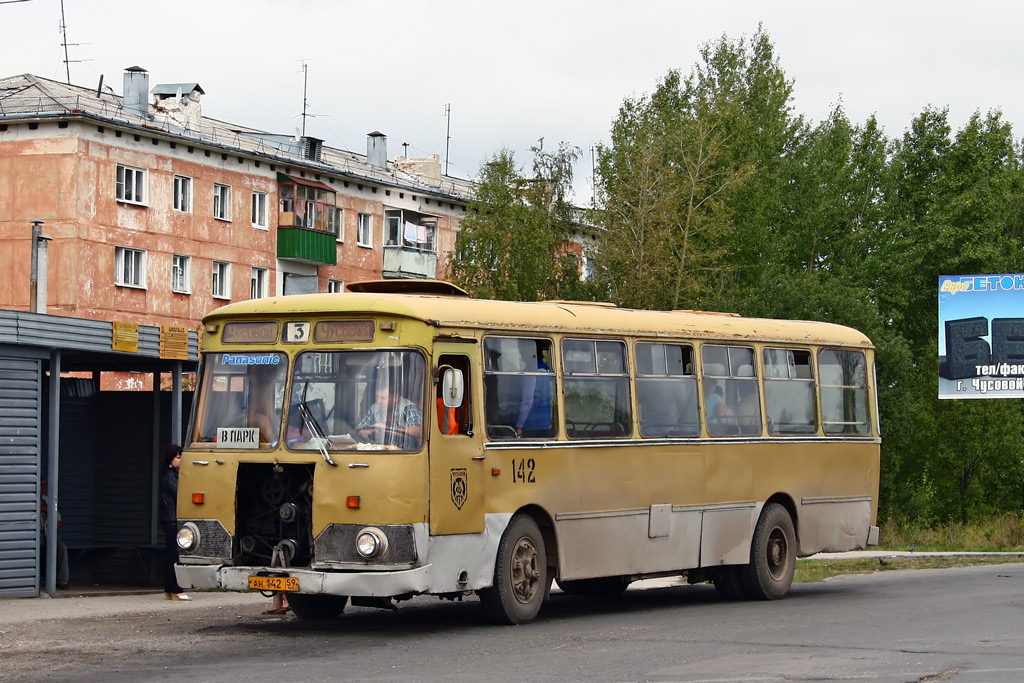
[(371, 400), (241, 397)]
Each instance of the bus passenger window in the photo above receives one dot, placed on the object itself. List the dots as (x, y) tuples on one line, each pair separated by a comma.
[(731, 398), (596, 384), (519, 388), (789, 392), (844, 392), (457, 420), (666, 390)]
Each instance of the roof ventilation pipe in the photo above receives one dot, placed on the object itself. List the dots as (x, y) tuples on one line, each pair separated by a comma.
[(136, 90), (377, 150)]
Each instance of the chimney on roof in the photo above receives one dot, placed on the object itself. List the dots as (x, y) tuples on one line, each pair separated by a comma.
[(377, 150), (136, 90)]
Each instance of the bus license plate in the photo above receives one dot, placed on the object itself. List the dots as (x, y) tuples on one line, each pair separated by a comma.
[(273, 583)]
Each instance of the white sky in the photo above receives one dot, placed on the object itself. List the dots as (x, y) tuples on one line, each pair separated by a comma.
[(516, 71)]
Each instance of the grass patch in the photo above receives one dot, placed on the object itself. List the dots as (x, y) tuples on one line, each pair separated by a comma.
[(998, 533), (808, 571)]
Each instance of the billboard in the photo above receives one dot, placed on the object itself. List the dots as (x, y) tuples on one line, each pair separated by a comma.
[(981, 336)]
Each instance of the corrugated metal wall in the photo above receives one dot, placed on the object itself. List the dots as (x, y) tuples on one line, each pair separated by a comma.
[(20, 435)]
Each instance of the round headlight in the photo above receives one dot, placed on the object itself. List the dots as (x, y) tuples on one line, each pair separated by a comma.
[(188, 536), (371, 543)]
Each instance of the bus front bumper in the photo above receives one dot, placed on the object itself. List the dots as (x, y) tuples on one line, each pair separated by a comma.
[(377, 584)]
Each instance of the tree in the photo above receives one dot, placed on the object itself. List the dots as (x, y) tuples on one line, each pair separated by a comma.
[(512, 241)]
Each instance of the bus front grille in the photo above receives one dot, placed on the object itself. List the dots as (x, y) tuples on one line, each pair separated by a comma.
[(337, 544), (274, 510)]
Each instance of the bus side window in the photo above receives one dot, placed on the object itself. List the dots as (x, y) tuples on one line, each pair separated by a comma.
[(457, 420)]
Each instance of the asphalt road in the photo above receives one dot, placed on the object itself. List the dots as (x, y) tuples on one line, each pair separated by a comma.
[(929, 625)]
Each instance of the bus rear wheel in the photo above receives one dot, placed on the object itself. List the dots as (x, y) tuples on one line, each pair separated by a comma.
[(308, 606), (521, 576), (772, 555)]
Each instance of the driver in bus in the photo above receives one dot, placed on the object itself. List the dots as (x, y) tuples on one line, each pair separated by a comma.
[(392, 421)]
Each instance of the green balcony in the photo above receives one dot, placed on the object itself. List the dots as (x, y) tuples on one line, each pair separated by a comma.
[(303, 244)]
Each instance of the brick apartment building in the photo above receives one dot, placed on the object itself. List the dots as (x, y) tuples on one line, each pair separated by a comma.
[(157, 214)]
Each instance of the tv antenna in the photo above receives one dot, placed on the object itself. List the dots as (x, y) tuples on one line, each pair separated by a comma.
[(448, 134), (65, 43), (305, 80)]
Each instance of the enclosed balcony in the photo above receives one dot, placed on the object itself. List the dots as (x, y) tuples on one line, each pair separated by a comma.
[(308, 221), (410, 245)]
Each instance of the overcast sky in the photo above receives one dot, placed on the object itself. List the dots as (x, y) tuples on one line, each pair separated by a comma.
[(513, 72)]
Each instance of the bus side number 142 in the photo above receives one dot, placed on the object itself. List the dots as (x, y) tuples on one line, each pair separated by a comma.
[(522, 470)]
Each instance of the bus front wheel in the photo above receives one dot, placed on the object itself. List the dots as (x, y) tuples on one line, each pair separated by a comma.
[(308, 606), (772, 555), (521, 576)]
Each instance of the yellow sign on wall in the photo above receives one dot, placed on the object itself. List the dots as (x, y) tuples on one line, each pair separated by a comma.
[(174, 342), (125, 337)]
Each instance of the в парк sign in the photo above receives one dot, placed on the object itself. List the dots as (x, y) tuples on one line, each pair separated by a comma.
[(981, 336)]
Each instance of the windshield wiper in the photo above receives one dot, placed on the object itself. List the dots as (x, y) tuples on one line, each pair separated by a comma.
[(314, 428)]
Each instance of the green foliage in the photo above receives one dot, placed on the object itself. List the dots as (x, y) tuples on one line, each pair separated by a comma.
[(512, 241), (713, 193)]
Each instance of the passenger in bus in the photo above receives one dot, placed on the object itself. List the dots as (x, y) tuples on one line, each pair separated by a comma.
[(392, 420), (748, 410), (535, 405), (715, 406)]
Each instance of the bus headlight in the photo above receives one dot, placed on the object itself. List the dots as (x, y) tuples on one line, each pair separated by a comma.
[(188, 536), (371, 542)]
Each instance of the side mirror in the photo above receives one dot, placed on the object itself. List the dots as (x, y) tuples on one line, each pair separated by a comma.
[(452, 386)]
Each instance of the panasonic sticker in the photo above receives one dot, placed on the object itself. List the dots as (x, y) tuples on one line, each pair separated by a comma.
[(250, 359)]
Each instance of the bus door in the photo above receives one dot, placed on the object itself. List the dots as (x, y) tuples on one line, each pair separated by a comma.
[(457, 465)]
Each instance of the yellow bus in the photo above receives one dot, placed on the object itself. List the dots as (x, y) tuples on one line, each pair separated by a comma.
[(404, 439)]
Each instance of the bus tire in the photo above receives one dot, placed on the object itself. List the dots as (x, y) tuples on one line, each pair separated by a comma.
[(604, 587), (772, 555), (308, 606), (521, 577), (728, 583)]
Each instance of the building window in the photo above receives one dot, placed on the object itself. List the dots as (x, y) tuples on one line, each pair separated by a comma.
[(259, 210), (183, 194), (129, 267), (335, 286), (365, 235), (131, 184), (221, 280), (258, 284), (181, 267), (335, 223), (221, 202)]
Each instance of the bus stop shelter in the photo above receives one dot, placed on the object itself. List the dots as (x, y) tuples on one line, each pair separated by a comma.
[(98, 452)]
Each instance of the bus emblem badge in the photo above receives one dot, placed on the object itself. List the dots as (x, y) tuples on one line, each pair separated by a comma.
[(459, 485)]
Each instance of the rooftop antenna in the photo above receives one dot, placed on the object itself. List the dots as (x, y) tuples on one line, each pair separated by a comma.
[(65, 43), (448, 138), (305, 80)]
